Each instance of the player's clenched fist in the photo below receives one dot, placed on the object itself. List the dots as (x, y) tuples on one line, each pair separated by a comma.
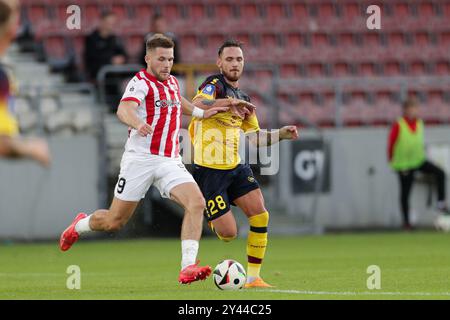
[(289, 133), (144, 129)]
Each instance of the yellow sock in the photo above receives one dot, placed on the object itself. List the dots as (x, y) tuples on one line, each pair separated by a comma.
[(256, 243)]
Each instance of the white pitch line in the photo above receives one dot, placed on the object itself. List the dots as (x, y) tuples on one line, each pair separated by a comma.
[(349, 293)]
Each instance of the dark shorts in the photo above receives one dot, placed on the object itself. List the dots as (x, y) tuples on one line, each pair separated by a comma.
[(221, 187)]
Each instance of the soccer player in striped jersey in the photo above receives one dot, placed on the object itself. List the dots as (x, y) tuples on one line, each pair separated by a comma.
[(152, 106), (11, 145), (217, 170)]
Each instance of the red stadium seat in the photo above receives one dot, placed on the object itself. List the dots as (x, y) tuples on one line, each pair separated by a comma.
[(224, 11), (351, 10), (315, 69), (345, 39), (425, 9), (294, 41), (172, 12), (372, 39), (341, 69), (319, 39), (367, 69), (299, 11), (249, 11), (396, 39), (401, 10), (326, 10), (435, 96), (38, 12), (417, 68), (444, 39), (392, 68), (269, 40), (422, 39), (197, 11), (92, 12), (442, 67), (289, 70), (143, 13), (121, 10), (446, 10), (352, 113), (275, 12)]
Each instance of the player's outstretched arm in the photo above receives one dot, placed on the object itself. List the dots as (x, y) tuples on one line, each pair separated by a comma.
[(191, 109), (33, 148), (239, 107), (127, 113), (264, 138)]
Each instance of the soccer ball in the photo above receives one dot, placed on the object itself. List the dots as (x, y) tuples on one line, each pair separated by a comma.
[(229, 275), (442, 223)]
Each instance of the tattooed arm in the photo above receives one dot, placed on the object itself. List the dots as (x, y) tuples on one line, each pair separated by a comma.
[(192, 110), (238, 107), (264, 137)]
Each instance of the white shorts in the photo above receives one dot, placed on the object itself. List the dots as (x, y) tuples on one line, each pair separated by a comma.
[(138, 173)]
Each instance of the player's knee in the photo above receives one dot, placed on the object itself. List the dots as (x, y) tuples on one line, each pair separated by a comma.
[(196, 204), (227, 236), (254, 207)]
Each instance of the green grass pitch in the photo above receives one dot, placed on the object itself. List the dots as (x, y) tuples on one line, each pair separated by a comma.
[(413, 266)]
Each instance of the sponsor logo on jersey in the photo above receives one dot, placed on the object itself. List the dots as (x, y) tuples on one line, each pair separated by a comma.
[(167, 103), (209, 89)]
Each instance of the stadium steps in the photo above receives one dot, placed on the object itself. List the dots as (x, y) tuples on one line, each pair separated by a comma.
[(46, 103), (115, 136)]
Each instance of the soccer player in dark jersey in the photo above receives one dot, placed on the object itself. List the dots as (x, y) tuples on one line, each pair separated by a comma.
[(219, 174), (11, 146)]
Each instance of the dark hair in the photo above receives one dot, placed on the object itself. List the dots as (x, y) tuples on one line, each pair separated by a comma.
[(229, 43), (159, 40), (157, 16), (107, 13), (409, 102), (5, 13)]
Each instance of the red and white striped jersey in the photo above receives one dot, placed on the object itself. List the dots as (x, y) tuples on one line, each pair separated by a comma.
[(160, 106)]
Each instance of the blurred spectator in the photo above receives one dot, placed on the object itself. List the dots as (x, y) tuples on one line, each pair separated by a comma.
[(11, 145), (406, 154), (159, 25), (103, 47)]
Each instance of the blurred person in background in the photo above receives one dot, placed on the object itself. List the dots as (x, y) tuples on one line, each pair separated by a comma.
[(159, 25), (103, 47), (406, 155), (11, 145)]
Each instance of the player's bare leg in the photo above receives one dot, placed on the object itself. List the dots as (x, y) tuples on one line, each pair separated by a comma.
[(252, 204), (101, 220), (189, 196), (225, 227)]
